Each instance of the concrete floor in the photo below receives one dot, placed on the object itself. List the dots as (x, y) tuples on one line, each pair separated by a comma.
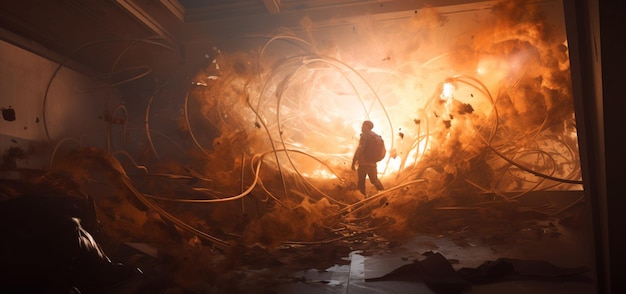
[(544, 240), (562, 252)]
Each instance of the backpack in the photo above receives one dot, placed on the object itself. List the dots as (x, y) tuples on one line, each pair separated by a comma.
[(377, 149)]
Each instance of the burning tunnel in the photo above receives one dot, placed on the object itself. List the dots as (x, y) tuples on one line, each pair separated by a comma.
[(233, 174)]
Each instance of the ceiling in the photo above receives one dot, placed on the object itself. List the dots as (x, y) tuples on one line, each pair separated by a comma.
[(104, 36)]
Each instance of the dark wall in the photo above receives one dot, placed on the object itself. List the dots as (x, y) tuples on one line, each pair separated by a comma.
[(612, 32)]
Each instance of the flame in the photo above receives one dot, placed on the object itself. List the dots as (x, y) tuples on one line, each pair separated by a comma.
[(307, 103)]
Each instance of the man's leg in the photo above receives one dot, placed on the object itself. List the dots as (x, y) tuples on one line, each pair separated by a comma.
[(362, 172), (373, 175)]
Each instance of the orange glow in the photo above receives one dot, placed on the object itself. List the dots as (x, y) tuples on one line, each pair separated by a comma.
[(431, 90), (473, 100)]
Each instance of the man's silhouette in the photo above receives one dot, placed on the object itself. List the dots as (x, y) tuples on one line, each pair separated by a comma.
[(364, 158)]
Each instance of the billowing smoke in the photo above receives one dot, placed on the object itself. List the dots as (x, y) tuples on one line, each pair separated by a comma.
[(470, 102)]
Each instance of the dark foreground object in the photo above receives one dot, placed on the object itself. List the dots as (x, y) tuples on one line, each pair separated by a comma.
[(44, 248), (439, 275)]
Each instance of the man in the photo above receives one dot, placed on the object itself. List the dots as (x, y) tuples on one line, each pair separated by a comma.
[(365, 159)]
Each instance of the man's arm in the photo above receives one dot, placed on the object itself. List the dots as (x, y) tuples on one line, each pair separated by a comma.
[(357, 153)]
